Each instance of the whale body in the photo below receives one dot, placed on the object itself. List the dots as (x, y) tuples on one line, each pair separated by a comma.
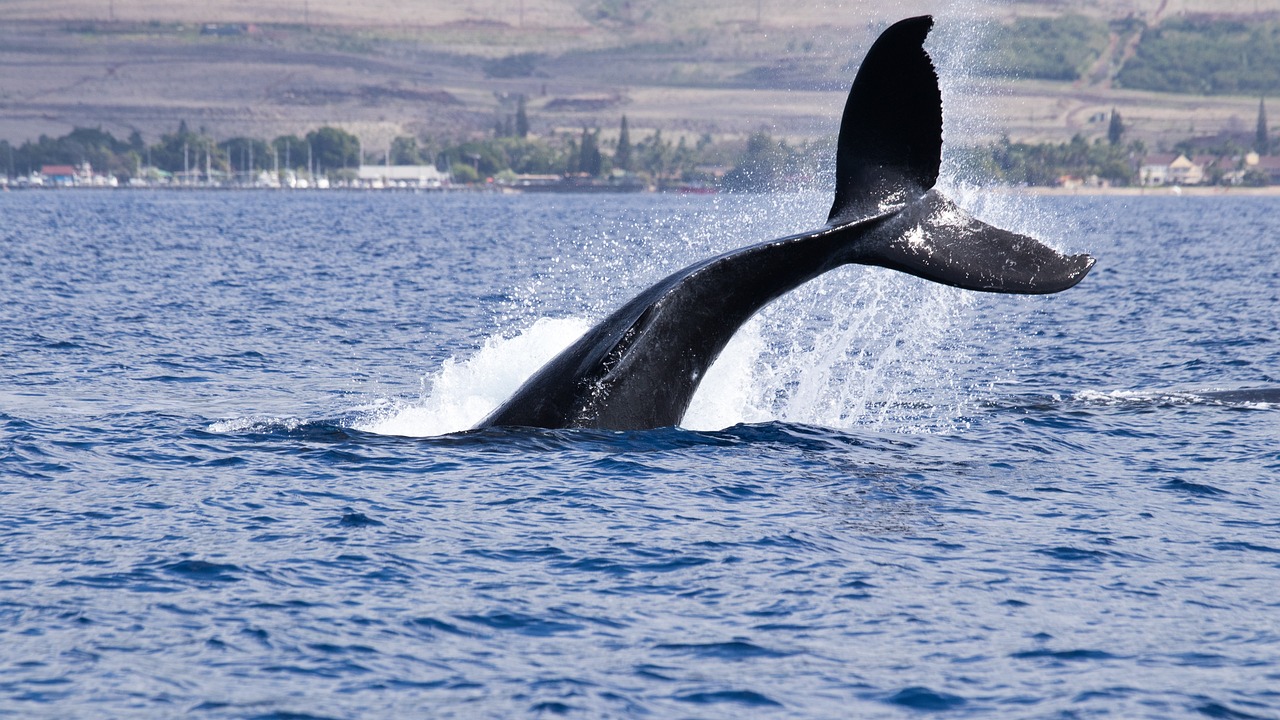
[(639, 367)]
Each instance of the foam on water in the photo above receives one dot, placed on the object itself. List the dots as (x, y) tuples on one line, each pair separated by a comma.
[(1146, 398), (254, 424)]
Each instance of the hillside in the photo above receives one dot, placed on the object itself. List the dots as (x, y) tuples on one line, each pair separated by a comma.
[(664, 17), (720, 67)]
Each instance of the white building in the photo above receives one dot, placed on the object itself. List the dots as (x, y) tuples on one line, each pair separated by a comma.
[(387, 176), (1164, 169)]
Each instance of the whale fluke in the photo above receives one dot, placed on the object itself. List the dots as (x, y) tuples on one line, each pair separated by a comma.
[(890, 144), (639, 367), (935, 239)]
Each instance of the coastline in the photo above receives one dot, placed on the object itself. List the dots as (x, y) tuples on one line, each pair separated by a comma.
[(1165, 191), (1162, 191)]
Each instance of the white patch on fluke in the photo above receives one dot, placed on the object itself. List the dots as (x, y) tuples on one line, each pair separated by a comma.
[(916, 237), (950, 216)]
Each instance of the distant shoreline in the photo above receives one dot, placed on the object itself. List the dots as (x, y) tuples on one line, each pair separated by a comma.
[(1164, 191), (1171, 191)]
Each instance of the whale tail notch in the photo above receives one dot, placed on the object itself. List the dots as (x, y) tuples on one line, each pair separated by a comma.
[(888, 158)]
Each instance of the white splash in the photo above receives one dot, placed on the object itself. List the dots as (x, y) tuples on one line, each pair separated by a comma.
[(868, 348), (462, 392), (730, 391)]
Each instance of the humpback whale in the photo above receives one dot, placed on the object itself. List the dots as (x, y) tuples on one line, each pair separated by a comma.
[(640, 366)]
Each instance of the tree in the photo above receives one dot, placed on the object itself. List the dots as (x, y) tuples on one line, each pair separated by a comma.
[(334, 148), (92, 145), (292, 151), (589, 159), (522, 120), (622, 156), (180, 150), (404, 151), (1200, 54), (247, 154), (486, 159), (572, 158), (1253, 177), (531, 156), (761, 165), (1262, 141), (1115, 131), (1061, 48), (655, 155)]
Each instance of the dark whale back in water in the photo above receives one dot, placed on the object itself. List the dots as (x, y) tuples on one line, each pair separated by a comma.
[(639, 367)]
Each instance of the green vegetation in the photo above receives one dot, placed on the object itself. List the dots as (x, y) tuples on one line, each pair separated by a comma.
[(1044, 164), (1109, 160), (589, 160), (768, 165), (327, 149), (764, 165), (1060, 48), (654, 157), (522, 119), (405, 151), (1223, 144), (760, 164), (81, 145), (1115, 128), (1206, 56), (334, 148), (622, 153), (479, 159), (626, 12)]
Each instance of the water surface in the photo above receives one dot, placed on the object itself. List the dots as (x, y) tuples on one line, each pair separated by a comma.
[(223, 492)]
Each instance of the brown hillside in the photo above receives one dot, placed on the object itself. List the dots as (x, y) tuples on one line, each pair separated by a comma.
[(384, 68)]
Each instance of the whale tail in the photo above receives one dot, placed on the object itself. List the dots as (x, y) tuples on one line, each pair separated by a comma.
[(888, 156), (639, 367)]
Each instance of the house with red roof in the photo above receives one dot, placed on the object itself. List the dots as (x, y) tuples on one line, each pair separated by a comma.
[(60, 175)]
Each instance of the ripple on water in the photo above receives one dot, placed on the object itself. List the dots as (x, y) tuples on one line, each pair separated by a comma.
[(922, 698), (749, 698), (731, 650), (1019, 506)]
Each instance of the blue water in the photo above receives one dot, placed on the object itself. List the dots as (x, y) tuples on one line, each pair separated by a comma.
[(223, 495)]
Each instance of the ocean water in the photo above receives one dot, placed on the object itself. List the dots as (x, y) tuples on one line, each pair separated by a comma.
[(237, 481)]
